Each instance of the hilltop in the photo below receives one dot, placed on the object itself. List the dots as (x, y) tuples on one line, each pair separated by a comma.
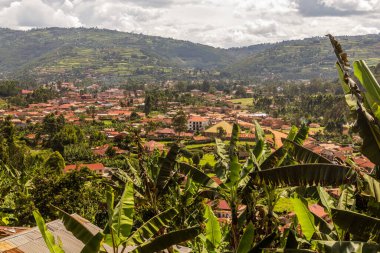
[(68, 53)]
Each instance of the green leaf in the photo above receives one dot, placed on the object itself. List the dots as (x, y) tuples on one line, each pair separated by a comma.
[(247, 239), (167, 167), (234, 140), (308, 174), (235, 169), (151, 227), (371, 187), (363, 227), (345, 247), (327, 201), (263, 243), (347, 197), (304, 216), (368, 80), (197, 175), (46, 234), (302, 154), (75, 226), (93, 245), (164, 241), (213, 232), (122, 218)]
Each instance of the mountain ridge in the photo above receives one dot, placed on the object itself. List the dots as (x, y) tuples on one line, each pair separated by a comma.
[(69, 53)]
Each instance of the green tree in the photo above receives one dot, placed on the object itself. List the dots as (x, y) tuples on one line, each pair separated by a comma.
[(179, 122), (147, 105)]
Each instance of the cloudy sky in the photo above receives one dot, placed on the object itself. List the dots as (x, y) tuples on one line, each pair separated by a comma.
[(221, 23)]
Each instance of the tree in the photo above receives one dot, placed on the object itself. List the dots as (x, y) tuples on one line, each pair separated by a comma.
[(221, 132), (147, 105), (179, 122)]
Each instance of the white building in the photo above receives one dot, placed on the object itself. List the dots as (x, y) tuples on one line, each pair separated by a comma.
[(197, 123)]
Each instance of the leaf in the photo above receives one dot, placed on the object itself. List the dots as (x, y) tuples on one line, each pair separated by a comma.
[(213, 232), (235, 169), (151, 227), (301, 135), (263, 243), (327, 201), (308, 174), (302, 154), (197, 175), (345, 247), (291, 240), (234, 140), (347, 198), (247, 239), (122, 218), (167, 167), (46, 234), (304, 216), (75, 226), (164, 241), (368, 80), (371, 187), (93, 245), (361, 226)]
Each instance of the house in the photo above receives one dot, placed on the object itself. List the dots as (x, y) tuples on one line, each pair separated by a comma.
[(222, 210), (153, 145), (98, 168), (197, 123)]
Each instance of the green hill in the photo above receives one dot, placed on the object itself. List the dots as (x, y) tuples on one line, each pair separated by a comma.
[(68, 53)]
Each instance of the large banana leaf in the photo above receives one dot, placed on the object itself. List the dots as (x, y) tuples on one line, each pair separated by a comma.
[(164, 241), (345, 247), (48, 237), (302, 154), (301, 135), (304, 216), (347, 197), (247, 239), (167, 167), (197, 175), (213, 232), (151, 227), (308, 174), (75, 226), (363, 227), (122, 219)]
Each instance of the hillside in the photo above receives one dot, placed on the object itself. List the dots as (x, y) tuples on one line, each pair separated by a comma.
[(60, 53)]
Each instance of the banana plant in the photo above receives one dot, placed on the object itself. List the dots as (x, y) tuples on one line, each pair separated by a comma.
[(119, 234)]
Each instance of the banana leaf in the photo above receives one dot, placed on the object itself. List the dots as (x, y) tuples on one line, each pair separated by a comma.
[(197, 175), (75, 226), (247, 239), (347, 198), (307, 175), (94, 244), (304, 155), (345, 247), (167, 167), (368, 80), (304, 216), (371, 187), (213, 232), (122, 218), (46, 234), (327, 201), (151, 227), (363, 227), (265, 242), (164, 241)]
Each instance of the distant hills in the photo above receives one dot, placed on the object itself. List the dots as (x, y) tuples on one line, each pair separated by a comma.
[(68, 53)]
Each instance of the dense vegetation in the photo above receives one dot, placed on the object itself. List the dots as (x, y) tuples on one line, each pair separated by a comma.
[(66, 54), (163, 201)]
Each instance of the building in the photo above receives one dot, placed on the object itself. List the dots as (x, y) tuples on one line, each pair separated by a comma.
[(98, 168), (214, 130), (197, 123)]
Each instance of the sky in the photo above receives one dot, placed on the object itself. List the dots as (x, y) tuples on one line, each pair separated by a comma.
[(219, 23)]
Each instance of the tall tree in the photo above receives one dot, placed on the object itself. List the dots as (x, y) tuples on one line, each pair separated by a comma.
[(147, 105)]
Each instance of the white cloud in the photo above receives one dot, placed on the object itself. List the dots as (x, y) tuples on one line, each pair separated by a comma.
[(224, 23)]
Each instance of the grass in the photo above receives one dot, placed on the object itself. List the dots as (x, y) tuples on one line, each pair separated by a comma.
[(208, 158), (243, 101)]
